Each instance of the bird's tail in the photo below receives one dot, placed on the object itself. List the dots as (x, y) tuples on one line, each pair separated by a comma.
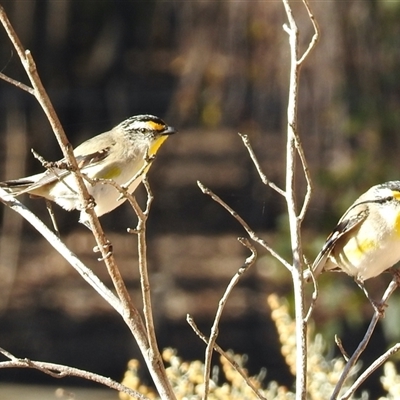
[(19, 186)]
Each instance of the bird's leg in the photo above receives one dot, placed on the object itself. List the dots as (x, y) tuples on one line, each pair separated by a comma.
[(96, 249), (378, 306), (49, 207), (396, 273)]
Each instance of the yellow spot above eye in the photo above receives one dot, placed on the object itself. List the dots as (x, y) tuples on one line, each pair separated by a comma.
[(396, 195), (110, 173), (156, 145), (155, 125)]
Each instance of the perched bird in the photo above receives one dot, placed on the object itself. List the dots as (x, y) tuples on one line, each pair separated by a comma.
[(366, 240), (118, 154)]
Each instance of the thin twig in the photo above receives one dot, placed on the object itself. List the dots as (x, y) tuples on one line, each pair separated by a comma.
[(315, 37), (49, 206), (150, 196), (244, 224), (263, 177), (140, 231), (87, 274), (62, 371), (363, 344), (144, 276), (314, 297), (214, 329), (307, 175), (224, 354), (339, 344), (18, 84), (372, 368), (142, 171)]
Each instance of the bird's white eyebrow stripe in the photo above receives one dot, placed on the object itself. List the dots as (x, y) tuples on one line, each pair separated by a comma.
[(137, 125)]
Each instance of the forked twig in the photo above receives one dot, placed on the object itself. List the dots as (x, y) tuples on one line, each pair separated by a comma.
[(224, 354), (307, 175), (140, 231), (315, 37), (244, 224), (363, 344), (372, 368), (142, 171), (18, 84), (143, 270), (221, 305), (263, 177)]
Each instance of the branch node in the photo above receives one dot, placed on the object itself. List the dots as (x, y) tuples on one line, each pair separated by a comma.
[(286, 29)]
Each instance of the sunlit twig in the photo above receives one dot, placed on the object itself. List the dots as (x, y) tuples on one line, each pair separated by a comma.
[(371, 369), (62, 371), (364, 342), (244, 224), (221, 305), (263, 177), (224, 354)]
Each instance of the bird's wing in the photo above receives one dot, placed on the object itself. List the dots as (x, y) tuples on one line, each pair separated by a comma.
[(31, 183), (348, 222), (86, 160)]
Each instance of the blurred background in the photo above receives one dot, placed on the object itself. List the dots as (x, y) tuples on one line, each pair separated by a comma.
[(211, 69)]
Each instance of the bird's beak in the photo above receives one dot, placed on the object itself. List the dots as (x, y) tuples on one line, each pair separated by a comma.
[(169, 131)]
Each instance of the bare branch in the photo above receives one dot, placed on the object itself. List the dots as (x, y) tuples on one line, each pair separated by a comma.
[(140, 231), (146, 165), (339, 344), (86, 273), (150, 196), (214, 329), (144, 276), (12, 34), (253, 157), (18, 84), (363, 344), (314, 297), (62, 371), (315, 37), (244, 224), (224, 354), (372, 368), (307, 175)]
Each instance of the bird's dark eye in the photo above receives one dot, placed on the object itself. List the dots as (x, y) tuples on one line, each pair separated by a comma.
[(143, 130)]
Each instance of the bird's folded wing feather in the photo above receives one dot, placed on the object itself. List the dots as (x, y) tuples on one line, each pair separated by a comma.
[(345, 225), (30, 183)]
